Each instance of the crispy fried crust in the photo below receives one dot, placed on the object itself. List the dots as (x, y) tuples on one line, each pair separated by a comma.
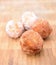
[(42, 27), (31, 42)]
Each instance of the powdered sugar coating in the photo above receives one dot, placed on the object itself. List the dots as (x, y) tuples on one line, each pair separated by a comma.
[(28, 18), (14, 29)]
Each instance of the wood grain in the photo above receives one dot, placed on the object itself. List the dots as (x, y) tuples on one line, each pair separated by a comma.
[(10, 50)]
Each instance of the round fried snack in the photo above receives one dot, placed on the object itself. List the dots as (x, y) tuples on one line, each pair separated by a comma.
[(42, 27), (14, 29), (31, 42), (28, 18)]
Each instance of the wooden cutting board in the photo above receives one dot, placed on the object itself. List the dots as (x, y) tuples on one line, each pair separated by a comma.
[(10, 50)]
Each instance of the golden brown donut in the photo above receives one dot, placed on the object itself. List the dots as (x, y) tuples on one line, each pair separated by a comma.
[(31, 42), (42, 27)]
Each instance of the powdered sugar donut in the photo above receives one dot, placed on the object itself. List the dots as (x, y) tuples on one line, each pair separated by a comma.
[(28, 18), (14, 29)]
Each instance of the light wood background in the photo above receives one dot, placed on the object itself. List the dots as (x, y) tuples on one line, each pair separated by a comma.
[(10, 51)]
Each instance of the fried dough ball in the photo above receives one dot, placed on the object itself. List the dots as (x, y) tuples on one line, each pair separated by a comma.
[(14, 29), (28, 18), (31, 42), (42, 27)]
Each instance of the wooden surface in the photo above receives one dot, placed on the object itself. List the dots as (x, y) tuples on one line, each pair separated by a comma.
[(10, 51)]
